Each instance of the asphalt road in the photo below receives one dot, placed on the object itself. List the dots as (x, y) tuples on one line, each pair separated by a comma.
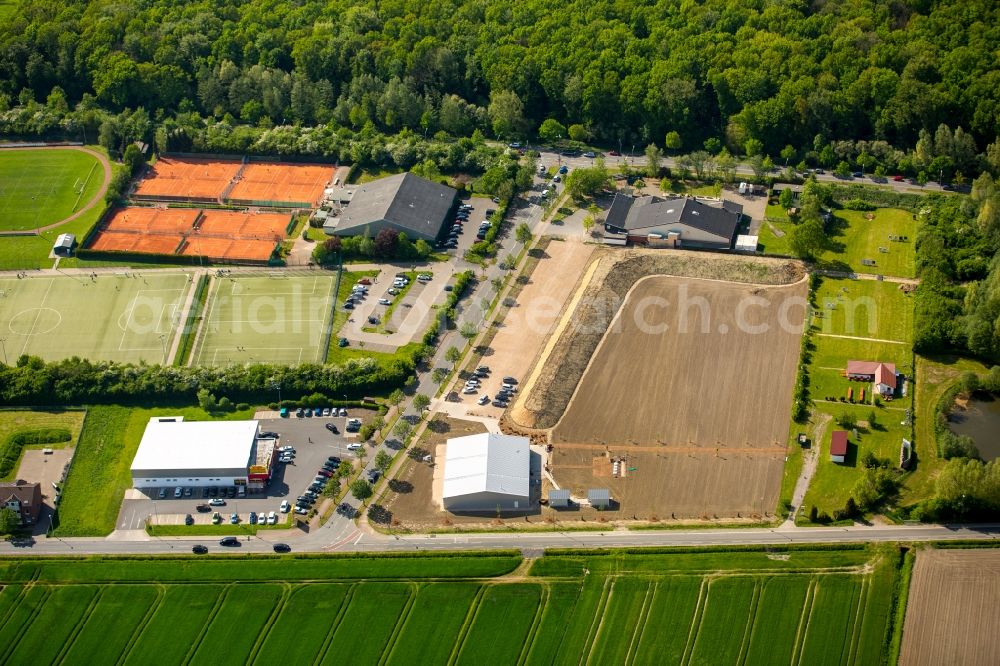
[(344, 537)]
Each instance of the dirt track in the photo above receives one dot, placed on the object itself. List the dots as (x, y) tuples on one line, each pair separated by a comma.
[(951, 615)]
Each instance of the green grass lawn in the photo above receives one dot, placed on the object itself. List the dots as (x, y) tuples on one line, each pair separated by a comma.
[(869, 321), (112, 318), (852, 238), (31, 252), (101, 467), (250, 319), (39, 187), (20, 420), (701, 607)]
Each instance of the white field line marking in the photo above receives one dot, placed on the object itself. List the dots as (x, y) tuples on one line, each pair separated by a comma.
[(853, 337), (38, 314)]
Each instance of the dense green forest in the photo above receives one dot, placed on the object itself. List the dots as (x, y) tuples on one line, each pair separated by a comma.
[(855, 78)]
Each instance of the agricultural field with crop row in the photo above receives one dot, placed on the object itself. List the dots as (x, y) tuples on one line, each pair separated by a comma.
[(749, 606)]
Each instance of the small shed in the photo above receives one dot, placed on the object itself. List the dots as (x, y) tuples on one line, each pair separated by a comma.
[(599, 498), (838, 446), (64, 244), (746, 243), (559, 498)]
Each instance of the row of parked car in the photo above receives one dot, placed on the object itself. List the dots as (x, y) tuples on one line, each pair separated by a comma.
[(508, 387), (315, 411)]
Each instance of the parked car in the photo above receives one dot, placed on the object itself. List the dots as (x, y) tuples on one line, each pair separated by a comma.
[(178, 491), (189, 519), (253, 518), (373, 475), (234, 519), (231, 492), (425, 277), (469, 390), (509, 380), (499, 403), (304, 500), (564, 169), (199, 549), (204, 492), (898, 178), (163, 493), (325, 472), (332, 428), (299, 411), (373, 320), (353, 446), (614, 153), (590, 154), (364, 281), (384, 301), (229, 541), (301, 510), (347, 306), (284, 506), (483, 368), (217, 502), (216, 518), (282, 449), (282, 548), (342, 412), (333, 460), (272, 518), (187, 492), (392, 291), (483, 399)]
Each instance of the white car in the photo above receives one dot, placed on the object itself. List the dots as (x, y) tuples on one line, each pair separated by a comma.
[(483, 399), (425, 276), (301, 510), (272, 518), (285, 506), (470, 389), (342, 412), (354, 446), (384, 301), (286, 449)]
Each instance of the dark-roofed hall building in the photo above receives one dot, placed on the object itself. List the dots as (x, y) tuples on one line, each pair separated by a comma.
[(404, 202), (679, 223)]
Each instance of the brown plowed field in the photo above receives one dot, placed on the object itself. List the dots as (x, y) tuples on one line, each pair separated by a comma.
[(238, 224), (151, 220), (951, 615), (133, 242), (707, 381)]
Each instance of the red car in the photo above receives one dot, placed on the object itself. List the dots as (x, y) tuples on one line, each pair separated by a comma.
[(364, 281), (898, 178), (326, 473), (614, 152)]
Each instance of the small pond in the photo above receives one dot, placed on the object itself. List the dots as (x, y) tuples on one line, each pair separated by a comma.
[(981, 422)]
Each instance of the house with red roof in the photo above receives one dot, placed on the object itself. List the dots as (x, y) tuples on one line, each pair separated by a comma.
[(884, 376)]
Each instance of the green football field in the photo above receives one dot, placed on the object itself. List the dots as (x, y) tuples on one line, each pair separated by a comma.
[(39, 187), (275, 318), (112, 318), (750, 607)]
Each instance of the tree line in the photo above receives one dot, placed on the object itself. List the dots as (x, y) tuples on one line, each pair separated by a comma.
[(754, 77)]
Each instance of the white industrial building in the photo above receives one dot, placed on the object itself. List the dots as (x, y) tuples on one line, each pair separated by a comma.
[(487, 472), (175, 452)]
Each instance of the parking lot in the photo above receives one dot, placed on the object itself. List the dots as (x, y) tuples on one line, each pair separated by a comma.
[(313, 444)]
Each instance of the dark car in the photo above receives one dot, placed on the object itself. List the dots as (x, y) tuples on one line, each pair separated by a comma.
[(253, 517), (347, 306), (373, 320), (332, 428), (231, 492), (448, 287), (948, 187), (203, 508), (856, 174), (499, 403), (269, 435), (199, 549), (509, 380), (282, 548), (325, 472), (373, 475), (188, 519), (229, 541), (214, 491), (204, 492), (305, 500), (483, 368), (333, 459)]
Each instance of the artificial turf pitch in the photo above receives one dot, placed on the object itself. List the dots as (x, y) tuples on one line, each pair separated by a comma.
[(107, 318), (275, 318), (40, 187)]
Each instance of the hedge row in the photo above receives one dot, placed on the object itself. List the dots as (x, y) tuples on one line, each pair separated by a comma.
[(17, 441)]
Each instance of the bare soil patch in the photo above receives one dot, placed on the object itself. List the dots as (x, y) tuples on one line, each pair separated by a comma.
[(690, 391), (951, 615), (558, 371)]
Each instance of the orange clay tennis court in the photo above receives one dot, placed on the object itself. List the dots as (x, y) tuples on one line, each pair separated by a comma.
[(187, 179), (136, 242), (287, 183), (241, 224), (151, 220), (228, 248)]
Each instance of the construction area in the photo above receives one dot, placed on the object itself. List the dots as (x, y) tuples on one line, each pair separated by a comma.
[(234, 182), (219, 235), (673, 392)]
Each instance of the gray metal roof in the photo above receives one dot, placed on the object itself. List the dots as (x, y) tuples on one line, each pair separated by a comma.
[(487, 462), (638, 213), (596, 494), (406, 201), (562, 494)]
